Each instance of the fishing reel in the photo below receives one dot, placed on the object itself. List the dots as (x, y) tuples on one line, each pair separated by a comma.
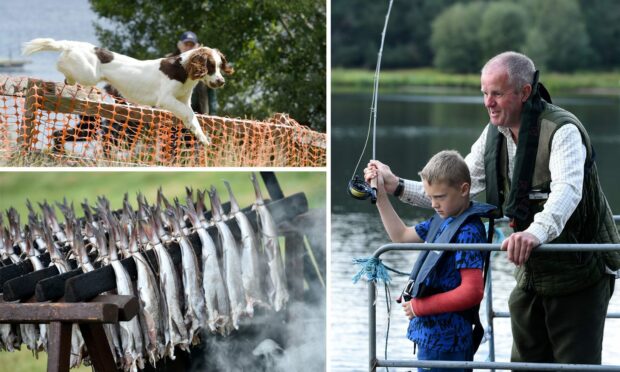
[(406, 293), (361, 190)]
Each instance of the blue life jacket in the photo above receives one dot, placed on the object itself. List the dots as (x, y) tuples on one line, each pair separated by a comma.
[(429, 260)]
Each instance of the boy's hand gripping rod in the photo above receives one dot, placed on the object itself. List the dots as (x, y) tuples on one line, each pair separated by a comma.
[(358, 188)]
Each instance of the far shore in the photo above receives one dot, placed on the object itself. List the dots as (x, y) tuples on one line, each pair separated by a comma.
[(600, 83)]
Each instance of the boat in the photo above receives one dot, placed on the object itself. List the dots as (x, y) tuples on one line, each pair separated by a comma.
[(12, 63)]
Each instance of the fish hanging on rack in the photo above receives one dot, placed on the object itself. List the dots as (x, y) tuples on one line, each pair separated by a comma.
[(215, 294), (192, 286), (169, 285), (128, 353), (232, 262), (151, 313), (255, 293), (278, 294)]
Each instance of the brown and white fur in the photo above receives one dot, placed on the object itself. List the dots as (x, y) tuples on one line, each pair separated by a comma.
[(164, 82)]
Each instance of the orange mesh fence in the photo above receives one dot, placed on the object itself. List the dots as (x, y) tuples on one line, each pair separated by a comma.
[(47, 123)]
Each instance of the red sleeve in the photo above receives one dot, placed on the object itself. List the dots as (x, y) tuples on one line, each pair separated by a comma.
[(463, 297)]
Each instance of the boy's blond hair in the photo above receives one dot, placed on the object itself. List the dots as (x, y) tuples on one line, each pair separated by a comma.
[(447, 166)]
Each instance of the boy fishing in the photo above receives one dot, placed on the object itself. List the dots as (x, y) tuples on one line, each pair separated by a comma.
[(445, 288)]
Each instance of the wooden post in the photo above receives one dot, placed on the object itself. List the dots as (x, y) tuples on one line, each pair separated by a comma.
[(59, 347), (272, 185), (295, 248), (98, 347)]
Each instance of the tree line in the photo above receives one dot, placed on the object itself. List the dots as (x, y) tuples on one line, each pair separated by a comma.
[(277, 47), (460, 36)]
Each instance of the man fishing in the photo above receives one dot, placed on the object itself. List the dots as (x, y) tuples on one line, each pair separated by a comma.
[(536, 164)]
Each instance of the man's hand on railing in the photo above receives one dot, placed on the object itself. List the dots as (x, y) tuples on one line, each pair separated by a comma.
[(519, 246)]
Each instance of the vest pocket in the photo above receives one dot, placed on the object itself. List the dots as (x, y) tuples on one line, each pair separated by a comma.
[(559, 273)]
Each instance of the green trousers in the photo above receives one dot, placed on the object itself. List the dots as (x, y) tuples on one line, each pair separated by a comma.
[(560, 329)]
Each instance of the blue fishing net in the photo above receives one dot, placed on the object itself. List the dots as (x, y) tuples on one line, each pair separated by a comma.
[(373, 269)]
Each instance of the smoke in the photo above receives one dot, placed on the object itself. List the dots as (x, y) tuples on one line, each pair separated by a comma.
[(306, 350), (290, 340), (268, 342)]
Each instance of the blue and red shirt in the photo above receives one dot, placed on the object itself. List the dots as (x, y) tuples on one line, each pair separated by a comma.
[(449, 332)]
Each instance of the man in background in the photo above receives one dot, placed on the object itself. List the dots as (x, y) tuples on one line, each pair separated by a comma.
[(203, 97)]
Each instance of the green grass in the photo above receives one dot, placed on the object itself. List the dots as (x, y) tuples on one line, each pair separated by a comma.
[(346, 80), (16, 187), (24, 361)]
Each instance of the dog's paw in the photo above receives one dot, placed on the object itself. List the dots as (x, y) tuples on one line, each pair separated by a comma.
[(204, 139)]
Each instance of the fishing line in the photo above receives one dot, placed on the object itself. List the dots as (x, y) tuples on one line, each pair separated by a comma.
[(357, 187)]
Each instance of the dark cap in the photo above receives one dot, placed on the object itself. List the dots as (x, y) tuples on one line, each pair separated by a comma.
[(189, 36)]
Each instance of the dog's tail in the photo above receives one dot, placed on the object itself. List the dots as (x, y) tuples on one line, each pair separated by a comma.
[(42, 44)]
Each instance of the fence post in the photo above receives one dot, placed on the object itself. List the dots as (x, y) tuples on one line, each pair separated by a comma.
[(26, 129)]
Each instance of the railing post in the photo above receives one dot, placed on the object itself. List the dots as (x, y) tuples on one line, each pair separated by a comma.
[(372, 327), (490, 314)]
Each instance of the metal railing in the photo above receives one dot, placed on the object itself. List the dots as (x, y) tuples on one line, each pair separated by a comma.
[(372, 321)]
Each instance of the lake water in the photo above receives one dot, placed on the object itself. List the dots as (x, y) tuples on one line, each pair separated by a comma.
[(28, 19), (410, 129)]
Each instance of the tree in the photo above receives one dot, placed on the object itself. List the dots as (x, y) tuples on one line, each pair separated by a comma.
[(585, 29), (602, 20), (559, 42), (455, 38), (356, 32), (277, 48), (503, 28)]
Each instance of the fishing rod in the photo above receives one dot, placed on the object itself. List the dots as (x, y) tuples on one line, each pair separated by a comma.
[(357, 187)]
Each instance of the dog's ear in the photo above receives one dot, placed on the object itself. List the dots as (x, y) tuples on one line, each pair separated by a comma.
[(225, 67), (197, 65)]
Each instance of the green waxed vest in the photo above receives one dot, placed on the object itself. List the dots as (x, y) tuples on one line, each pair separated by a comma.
[(524, 196)]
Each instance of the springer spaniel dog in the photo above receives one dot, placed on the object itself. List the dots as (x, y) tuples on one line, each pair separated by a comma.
[(164, 82)]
